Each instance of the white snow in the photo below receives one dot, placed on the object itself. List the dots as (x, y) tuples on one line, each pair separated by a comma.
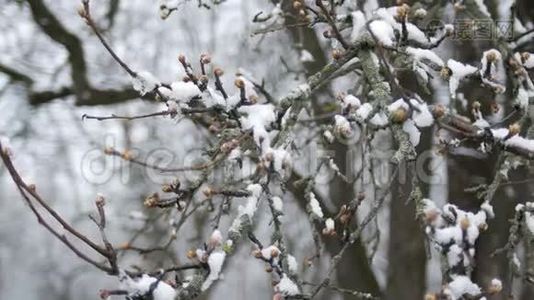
[(496, 284), (522, 97), (270, 252), (144, 82), (459, 72), (383, 32), (482, 7), (258, 117), (287, 287), (425, 54), (329, 224), (292, 264), (315, 207), (529, 220), (492, 64), (415, 34), (520, 142), (140, 286), (250, 91), (364, 111), (249, 208), (529, 62), (327, 134), (488, 209), (415, 135), (342, 125), (358, 23), (462, 285), (379, 119), (215, 263), (400, 103), (216, 238), (184, 91), (306, 56), (172, 106), (500, 133), (351, 102), (278, 204), (423, 117)]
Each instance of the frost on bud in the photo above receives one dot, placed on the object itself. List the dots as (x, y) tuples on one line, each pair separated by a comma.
[(342, 126), (208, 192), (399, 115), (430, 296), (81, 12), (166, 188), (172, 107), (239, 83), (459, 6), (493, 55), (297, 5), (100, 200), (449, 29), (205, 58), (420, 13), (329, 229), (445, 73), (104, 294), (127, 155), (431, 215), (439, 111), (495, 286), (218, 72), (275, 252), (152, 200), (514, 129), (328, 136), (181, 59), (6, 148), (215, 239), (337, 54)]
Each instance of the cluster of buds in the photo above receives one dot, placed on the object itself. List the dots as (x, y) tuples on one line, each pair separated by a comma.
[(300, 7), (513, 129), (438, 111), (270, 255), (337, 54), (420, 13), (230, 145), (495, 287), (173, 187), (127, 155), (100, 201), (202, 255), (152, 200), (445, 73), (209, 192)]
